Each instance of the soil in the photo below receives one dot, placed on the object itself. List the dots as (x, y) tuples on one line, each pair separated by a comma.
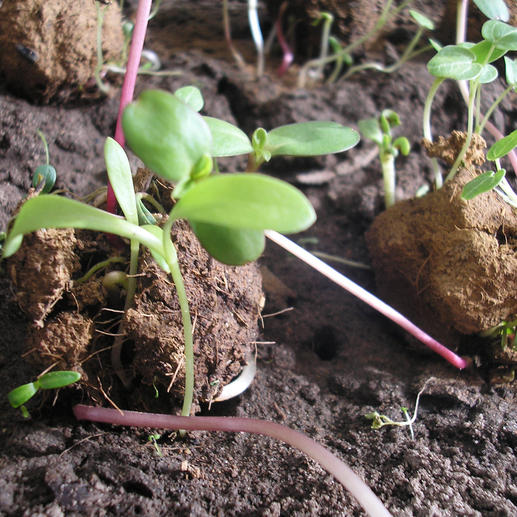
[(332, 359)]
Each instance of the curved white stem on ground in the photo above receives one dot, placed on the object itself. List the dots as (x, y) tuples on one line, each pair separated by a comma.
[(366, 297), (331, 463), (242, 382)]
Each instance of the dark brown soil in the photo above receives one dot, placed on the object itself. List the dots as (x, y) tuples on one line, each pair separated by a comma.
[(334, 359)]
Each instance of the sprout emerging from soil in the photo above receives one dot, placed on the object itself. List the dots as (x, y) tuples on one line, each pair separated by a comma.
[(331, 463)]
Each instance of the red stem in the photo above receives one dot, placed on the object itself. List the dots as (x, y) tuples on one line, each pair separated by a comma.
[(314, 450), (288, 54), (128, 88)]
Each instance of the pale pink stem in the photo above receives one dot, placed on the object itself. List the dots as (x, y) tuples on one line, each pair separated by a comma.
[(367, 297), (128, 87), (331, 463), (288, 56)]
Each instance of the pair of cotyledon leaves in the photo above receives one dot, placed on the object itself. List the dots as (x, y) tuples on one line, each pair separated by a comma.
[(228, 212)]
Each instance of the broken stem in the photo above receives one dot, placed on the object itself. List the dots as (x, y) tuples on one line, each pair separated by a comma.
[(368, 298), (331, 463)]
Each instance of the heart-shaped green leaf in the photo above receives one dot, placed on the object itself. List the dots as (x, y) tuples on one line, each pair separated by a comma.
[(166, 134), (500, 34), (454, 62), (232, 246), (191, 96), (252, 201), (227, 139), (310, 139), (493, 9)]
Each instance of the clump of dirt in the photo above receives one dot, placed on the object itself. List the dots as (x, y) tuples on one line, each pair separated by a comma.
[(449, 148), (72, 320), (446, 263), (49, 49)]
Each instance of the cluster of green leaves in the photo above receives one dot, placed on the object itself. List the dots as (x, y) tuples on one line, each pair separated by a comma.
[(473, 63), (48, 381), (378, 129), (228, 212)]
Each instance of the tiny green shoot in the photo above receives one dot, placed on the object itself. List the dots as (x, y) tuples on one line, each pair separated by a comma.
[(19, 396), (379, 421), (44, 176), (379, 131), (153, 439)]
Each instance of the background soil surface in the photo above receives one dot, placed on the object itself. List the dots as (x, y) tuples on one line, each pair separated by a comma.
[(334, 359)]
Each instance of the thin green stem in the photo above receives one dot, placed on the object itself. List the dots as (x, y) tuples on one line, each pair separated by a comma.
[(45, 145), (388, 175), (384, 17), (98, 267), (470, 127), (481, 126), (116, 349), (171, 257), (438, 180)]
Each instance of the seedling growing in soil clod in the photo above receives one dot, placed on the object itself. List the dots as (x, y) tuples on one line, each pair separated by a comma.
[(19, 396), (379, 130), (228, 212)]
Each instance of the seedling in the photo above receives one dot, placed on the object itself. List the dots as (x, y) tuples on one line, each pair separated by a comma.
[(410, 52), (228, 212), (472, 62), (379, 421), (48, 381), (153, 439), (379, 130), (506, 331), (44, 176)]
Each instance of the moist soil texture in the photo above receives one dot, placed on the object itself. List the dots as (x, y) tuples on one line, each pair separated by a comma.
[(324, 358)]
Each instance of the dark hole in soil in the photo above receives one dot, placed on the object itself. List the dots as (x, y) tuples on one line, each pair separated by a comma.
[(324, 343), (502, 237), (136, 487)]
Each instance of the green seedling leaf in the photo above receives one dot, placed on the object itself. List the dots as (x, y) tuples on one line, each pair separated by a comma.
[(500, 34), (422, 20), (119, 174), (49, 211), (502, 147), (22, 394), (402, 144), (166, 134), (191, 96), (310, 139), (44, 174), (485, 52), (391, 117), (454, 62), (435, 44), (511, 70), (493, 9), (144, 216), (371, 129), (54, 380), (232, 246), (158, 233), (483, 183), (227, 139), (488, 74), (258, 142), (246, 200)]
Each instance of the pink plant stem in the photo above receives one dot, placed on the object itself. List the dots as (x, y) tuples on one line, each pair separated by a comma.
[(331, 463), (128, 87), (288, 55), (370, 299)]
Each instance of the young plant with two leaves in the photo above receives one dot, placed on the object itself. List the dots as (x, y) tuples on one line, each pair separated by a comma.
[(228, 212), (473, 64)]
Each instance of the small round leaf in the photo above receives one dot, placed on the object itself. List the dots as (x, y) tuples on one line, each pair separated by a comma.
[(22, 394)]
